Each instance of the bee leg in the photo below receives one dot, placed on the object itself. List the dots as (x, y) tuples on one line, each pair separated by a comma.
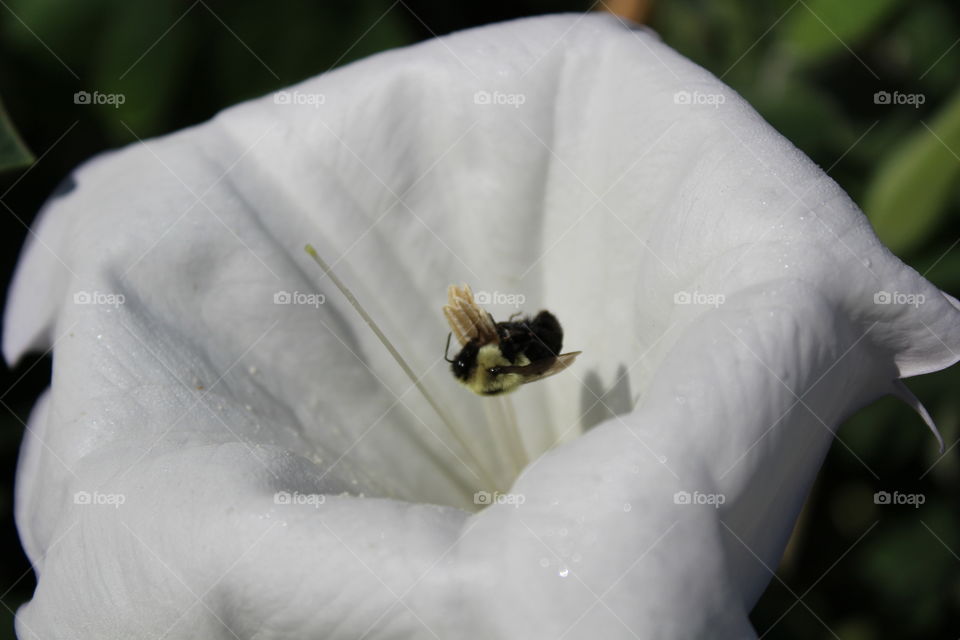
[(446, 351)]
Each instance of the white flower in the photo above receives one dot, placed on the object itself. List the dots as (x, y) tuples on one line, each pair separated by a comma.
[(221, 454)]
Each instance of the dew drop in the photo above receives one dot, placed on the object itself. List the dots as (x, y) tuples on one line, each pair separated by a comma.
[(563, 572), (544, 562)]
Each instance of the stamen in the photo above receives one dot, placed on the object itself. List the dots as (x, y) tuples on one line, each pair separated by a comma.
[(484, 474)]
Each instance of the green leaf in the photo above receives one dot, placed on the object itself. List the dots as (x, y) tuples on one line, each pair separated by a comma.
[(816, 29), (13, 152), (907, 197), (140, 56)]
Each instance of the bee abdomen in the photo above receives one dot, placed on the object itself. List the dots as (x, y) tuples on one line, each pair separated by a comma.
[(547, 337)]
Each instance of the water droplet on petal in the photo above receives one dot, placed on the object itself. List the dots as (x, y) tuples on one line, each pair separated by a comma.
[(563, 572)]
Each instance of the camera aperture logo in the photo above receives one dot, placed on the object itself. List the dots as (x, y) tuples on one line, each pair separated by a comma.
[(500, 98), (712, 499), (486, 498), (515, 300), (112, 99), (698, 98), (299, 298), (912, 99), (99, 499), (897, 498), (896, 297), (99, 297), (315, 100), (312, 499), (699, 298)]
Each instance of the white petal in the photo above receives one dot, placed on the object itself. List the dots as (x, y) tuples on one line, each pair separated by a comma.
[(600, 196)]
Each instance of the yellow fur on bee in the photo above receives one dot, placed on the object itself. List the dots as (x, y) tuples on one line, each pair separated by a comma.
[(482, 383)]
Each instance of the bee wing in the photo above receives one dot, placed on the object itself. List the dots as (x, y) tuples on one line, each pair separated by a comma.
[(543, 368), (468, 320)]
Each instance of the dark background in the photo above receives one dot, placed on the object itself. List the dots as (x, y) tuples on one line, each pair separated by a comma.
[(811, 67)]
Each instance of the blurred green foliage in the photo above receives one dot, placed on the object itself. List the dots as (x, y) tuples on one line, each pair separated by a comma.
[(913, 187), (13, 153), (822, 28), (811, 67)]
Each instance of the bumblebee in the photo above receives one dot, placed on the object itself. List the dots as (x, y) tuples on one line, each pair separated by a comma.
[(499, 357)]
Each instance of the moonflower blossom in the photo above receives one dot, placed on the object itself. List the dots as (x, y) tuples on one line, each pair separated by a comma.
[(226, 450)]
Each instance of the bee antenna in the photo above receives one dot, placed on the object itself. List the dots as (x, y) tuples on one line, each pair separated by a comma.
[(447, 350)]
